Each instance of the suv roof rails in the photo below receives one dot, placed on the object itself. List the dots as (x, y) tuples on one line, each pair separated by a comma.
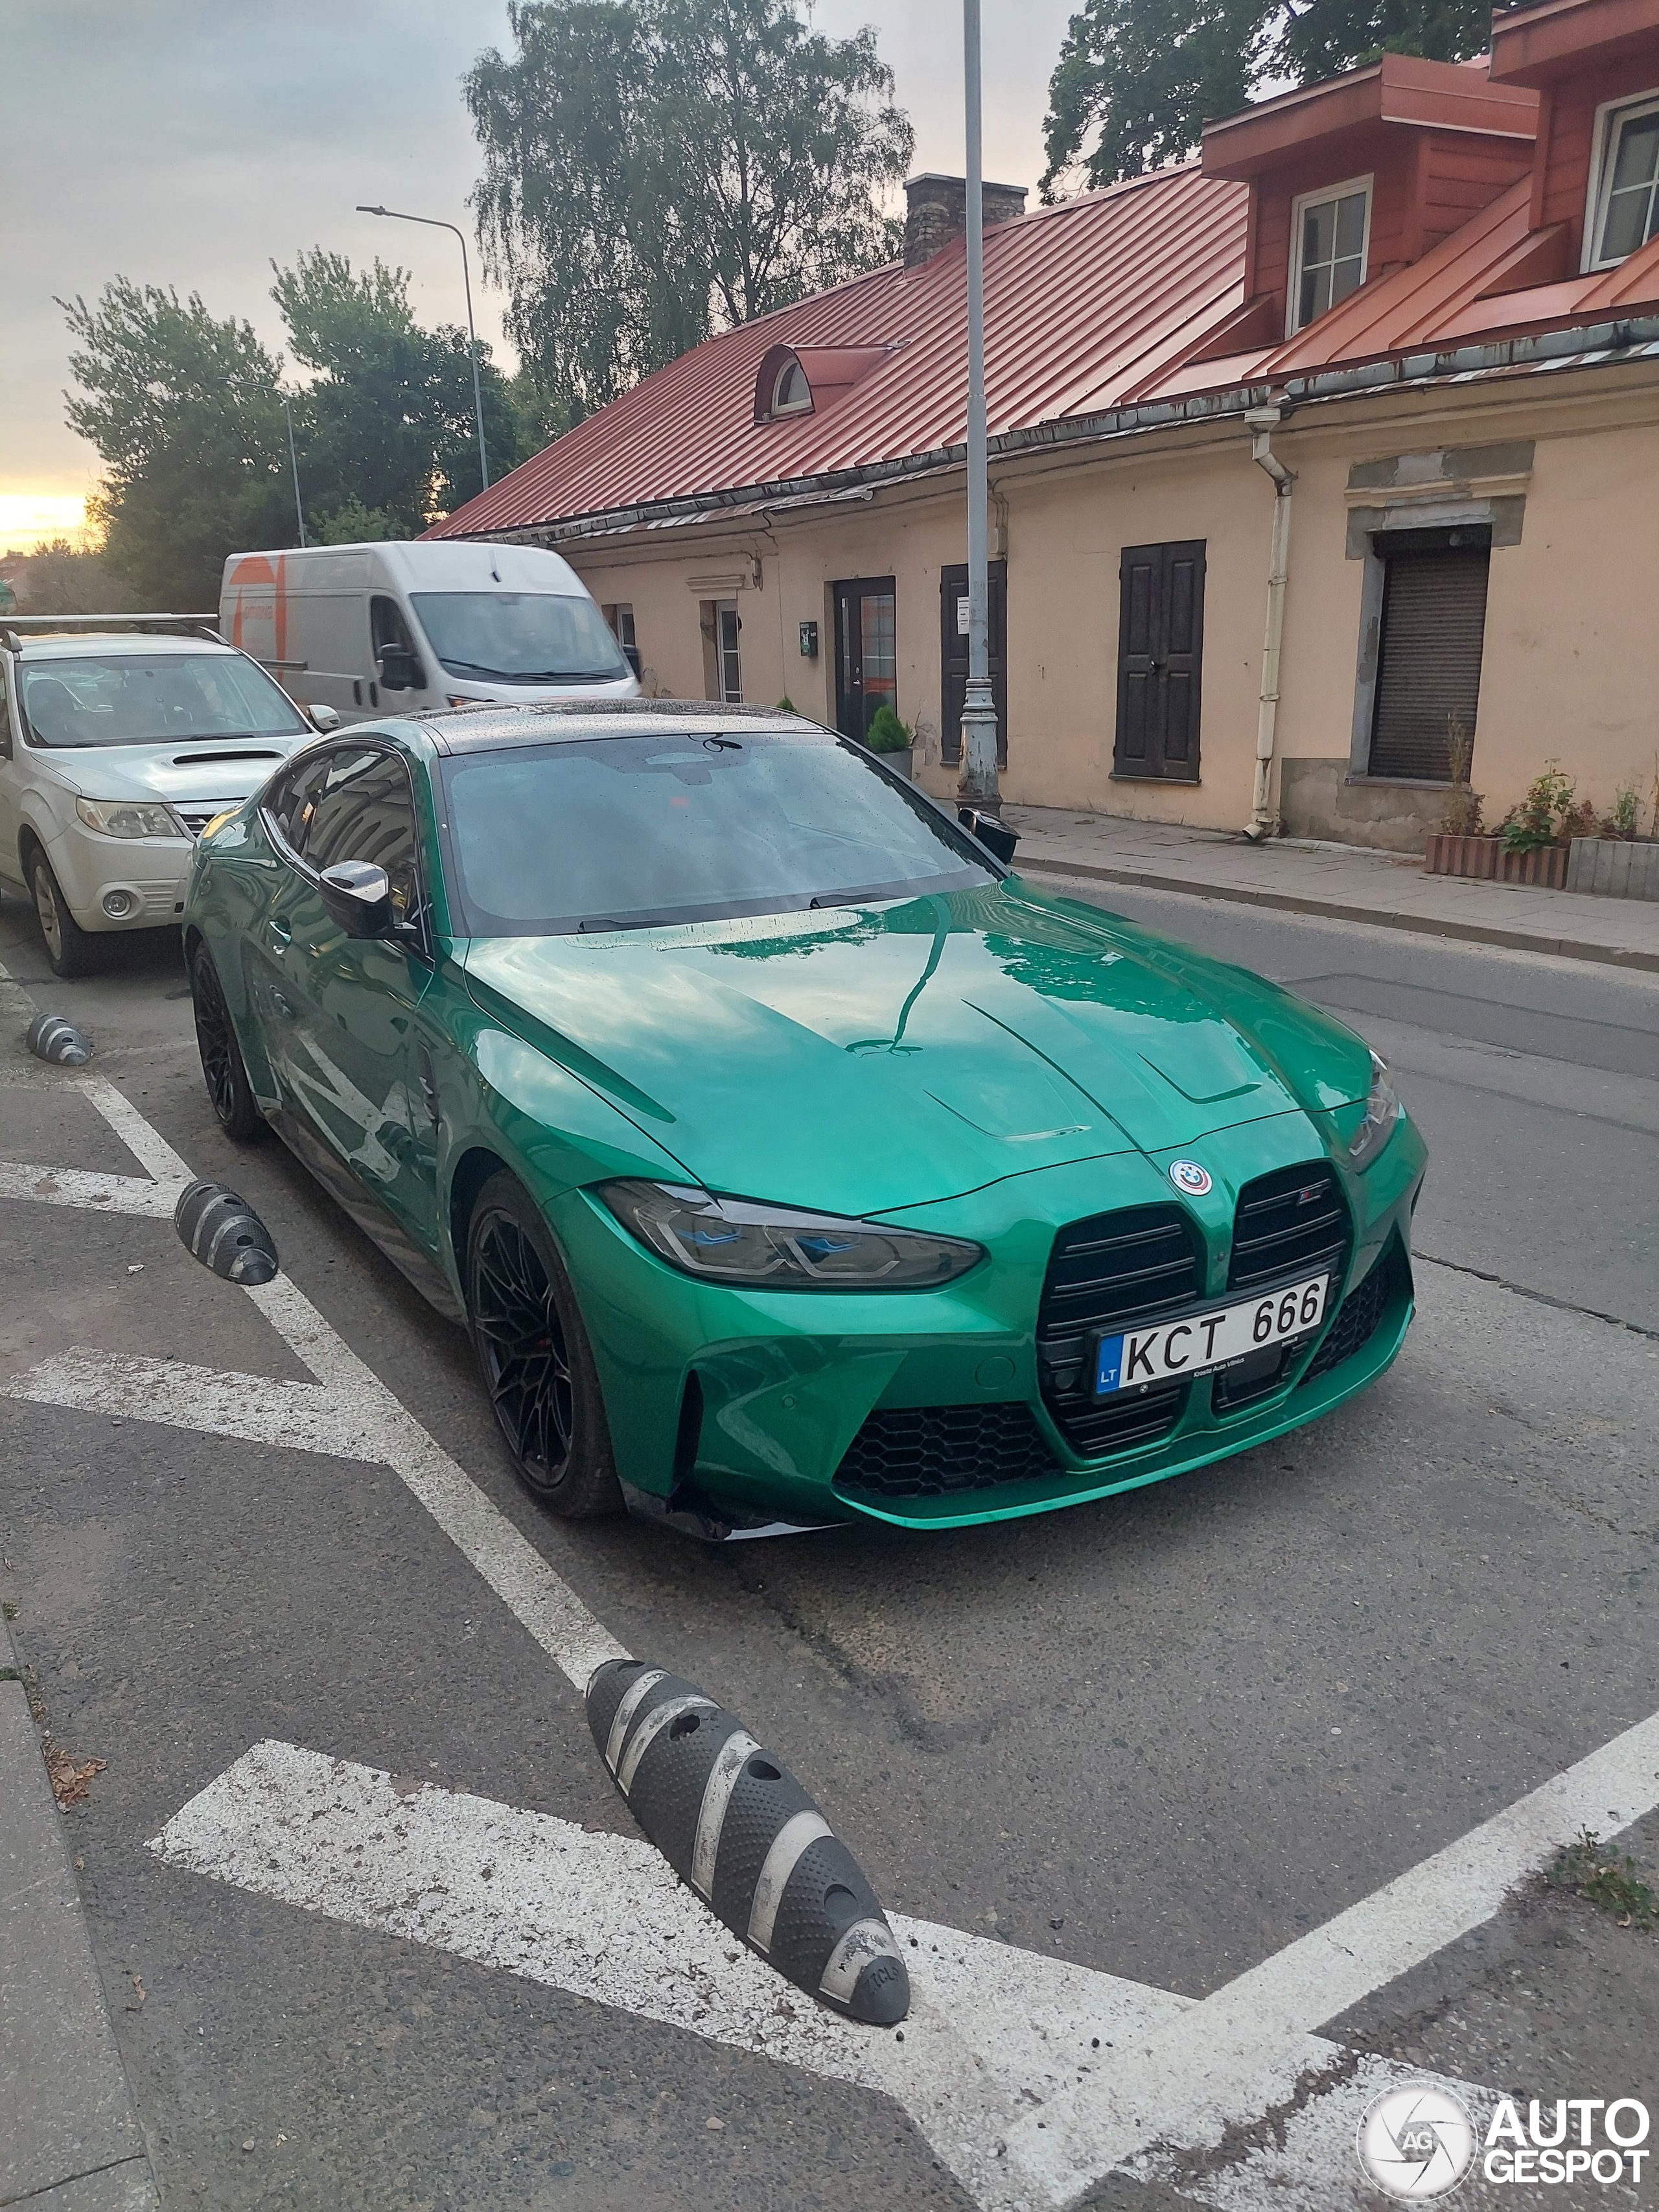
[(15, 628)]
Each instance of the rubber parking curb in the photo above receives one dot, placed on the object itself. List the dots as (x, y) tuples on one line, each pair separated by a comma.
[(217, 1226), (1514, 940), (741, 1830)]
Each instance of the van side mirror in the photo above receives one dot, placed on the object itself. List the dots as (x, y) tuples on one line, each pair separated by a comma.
[(358, 895), (996, 837), (323, 718), (400, 671)]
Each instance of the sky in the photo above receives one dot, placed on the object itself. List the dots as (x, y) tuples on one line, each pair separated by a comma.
[(175, 141)]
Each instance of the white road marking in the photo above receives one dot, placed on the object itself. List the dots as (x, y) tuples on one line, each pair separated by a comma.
[(104, 1194), (256, 1409), (994, 2032)]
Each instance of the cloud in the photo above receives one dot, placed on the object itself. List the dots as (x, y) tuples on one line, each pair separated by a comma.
[(179, 143)]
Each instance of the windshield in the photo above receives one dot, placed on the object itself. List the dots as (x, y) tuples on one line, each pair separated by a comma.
[(519, 637), (153, 698), (624, 833)]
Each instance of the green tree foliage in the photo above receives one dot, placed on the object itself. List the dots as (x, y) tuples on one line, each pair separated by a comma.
[(185, 411), (657, 169), (60, 578), (1138, 79)]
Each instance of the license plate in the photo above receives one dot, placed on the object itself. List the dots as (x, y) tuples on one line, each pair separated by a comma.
[(1202, 1342)]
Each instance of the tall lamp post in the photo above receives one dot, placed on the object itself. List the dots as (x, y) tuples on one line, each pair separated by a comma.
[(433, 222), (977, 785), (230, 385)]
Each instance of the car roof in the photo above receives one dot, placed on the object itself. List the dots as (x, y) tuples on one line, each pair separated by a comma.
[(65, 645), (553, 721)]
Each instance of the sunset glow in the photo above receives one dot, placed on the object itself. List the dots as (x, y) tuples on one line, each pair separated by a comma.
[(31, 518)]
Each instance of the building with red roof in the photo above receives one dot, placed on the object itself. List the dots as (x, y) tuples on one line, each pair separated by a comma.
[(1420, 301)]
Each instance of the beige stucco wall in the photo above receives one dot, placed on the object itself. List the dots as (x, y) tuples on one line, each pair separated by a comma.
[(1571, 659)]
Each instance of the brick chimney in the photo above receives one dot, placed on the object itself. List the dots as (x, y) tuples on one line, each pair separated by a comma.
[(936, 211)]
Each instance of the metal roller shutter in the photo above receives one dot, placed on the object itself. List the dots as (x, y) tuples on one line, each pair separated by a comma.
[(1434, 619)]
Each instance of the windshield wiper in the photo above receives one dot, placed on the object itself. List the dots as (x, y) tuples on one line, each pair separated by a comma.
[(534, 675)]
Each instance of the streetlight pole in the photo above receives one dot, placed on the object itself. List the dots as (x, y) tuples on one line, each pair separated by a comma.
[(435, 223), (978, 785), (294, 464)]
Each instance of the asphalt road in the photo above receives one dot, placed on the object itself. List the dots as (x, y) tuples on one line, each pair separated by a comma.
[(1161, 1737)]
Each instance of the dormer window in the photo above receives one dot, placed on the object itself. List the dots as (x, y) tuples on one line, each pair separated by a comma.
[(1330, 233), (1624, 181), (791, 393)]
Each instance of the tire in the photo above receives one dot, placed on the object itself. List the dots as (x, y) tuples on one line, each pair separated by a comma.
[(535, 1358), (229, 1093), (70, 950)]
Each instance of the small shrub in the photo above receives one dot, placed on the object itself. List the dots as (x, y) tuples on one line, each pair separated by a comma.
[(787, 705), (1539, 819), (1460, 817), (1624, 818), (886, 733)]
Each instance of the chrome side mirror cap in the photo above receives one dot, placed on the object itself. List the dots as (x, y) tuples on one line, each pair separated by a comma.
[(996, 837), (358, 895), (322, 719)]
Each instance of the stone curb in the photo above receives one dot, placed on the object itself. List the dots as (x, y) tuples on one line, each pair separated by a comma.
[(1518, 940), (72, 2140)]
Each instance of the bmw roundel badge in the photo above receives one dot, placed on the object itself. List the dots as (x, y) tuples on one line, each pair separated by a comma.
[(1187, 1175)]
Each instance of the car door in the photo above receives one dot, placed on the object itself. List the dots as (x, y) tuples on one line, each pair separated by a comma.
[(349, 1050), (11, 769)]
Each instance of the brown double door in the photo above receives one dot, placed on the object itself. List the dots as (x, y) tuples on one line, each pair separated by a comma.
[(1160, 653), (953, 653)]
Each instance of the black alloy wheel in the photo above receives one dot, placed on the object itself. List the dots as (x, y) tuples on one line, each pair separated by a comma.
[(229, 1093), (534, 1354)]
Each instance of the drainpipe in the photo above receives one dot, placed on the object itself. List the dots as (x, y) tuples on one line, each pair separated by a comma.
[(1261, 423)]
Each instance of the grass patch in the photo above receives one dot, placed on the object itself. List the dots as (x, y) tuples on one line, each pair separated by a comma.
[(1605, 1879), (8, 1609), (9, 1674)]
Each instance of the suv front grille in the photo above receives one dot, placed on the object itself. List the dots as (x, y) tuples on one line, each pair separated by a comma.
[(1111, 1272), (197, 818), (1293, 1222), (937, 1451)]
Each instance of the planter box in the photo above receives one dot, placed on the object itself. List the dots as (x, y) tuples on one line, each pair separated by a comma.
[(1485, 859), (900, 762), (1614, 868)]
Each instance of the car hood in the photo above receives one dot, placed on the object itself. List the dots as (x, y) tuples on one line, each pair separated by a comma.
[(859, 1059), (193, 769)]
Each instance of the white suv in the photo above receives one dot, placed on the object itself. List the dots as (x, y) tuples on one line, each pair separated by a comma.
[(119, 740)]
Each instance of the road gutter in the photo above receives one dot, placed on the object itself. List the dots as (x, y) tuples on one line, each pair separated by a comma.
[(71, 2141), (1475, 933)]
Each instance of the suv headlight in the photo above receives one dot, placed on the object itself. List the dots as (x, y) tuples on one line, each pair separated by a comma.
[(735, 1240), (1382, 1110), (127, 817)]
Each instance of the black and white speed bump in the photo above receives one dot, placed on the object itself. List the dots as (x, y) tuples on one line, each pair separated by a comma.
[(218, 1227), (58, 1042), (747, 1837)]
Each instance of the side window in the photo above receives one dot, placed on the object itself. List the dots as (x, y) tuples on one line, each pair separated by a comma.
[(363, 811), (394, 648), (290, 802)]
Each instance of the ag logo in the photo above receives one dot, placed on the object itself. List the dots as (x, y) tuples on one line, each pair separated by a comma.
[(1187, 1175), (1418, 2142)]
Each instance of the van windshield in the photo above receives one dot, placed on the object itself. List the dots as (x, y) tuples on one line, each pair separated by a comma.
[(152, 699), (519, 637)]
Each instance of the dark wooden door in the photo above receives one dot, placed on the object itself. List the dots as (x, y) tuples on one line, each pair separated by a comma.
[(1160, 652), (866, 653), (953, 654)]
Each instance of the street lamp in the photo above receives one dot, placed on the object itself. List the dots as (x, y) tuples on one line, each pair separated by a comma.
[(977, 785), (433, 222), (230, 385)]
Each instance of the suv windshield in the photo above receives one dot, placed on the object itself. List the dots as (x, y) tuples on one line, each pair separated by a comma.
[(519, 637), (626, 833), (151, 699)]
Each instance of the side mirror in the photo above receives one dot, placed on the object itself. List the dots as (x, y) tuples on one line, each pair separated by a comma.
[(996, 837), (400, 669), (358, 895), (324, 719)]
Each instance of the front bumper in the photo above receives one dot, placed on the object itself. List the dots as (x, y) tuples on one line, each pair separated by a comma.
[(152, 871), (748, 1402)]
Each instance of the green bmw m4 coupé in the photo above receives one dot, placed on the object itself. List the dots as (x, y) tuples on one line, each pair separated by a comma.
[(788, 1158)]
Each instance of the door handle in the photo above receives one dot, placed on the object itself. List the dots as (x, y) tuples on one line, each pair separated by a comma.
[(280, 935)]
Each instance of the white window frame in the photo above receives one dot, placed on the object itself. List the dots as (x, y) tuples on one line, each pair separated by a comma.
[(781, 407), (722, 673), (1627, 106), (1298, 205)]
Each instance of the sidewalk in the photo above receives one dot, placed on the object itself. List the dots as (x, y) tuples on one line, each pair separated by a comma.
[(1348, 882)]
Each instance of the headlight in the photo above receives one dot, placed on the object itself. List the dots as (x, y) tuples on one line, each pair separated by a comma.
[(733, 1240), (127, 817), (1382, 1110)]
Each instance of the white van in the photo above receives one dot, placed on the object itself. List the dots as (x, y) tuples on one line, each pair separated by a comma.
[(400, 627)]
